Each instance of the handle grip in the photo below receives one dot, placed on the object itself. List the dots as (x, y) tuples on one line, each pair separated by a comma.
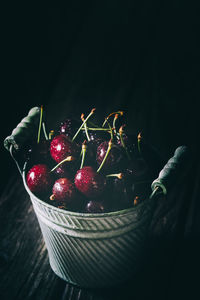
[(171, 170), (24, 130)]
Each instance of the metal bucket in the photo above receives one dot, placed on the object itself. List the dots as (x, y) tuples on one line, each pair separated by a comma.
[(94, 250)]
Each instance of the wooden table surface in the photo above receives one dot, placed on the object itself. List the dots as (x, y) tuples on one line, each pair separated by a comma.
[(109, 56)]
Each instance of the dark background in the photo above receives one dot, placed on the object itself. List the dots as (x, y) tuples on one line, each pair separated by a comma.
[(139, 56), (142, 56)]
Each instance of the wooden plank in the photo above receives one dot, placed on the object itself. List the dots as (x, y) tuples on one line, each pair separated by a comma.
[(24, 268)]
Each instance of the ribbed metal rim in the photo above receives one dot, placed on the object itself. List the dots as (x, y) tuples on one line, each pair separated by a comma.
[(72, 213)]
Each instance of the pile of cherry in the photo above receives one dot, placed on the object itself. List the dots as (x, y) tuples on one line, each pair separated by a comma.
[(84, 167)]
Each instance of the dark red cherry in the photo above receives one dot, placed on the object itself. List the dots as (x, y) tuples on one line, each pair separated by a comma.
[(38, 152), (69, 127), (130, 142), (119, 192), (91, 152), (137, 168), (62, 171), (63, 190), (61, 147), (89, 182), (114, 158), (96, 136), (39, 179), (94, 207)]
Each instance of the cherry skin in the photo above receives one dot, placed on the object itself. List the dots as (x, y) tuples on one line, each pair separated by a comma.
[(89, 182), (69, 127), (61, 147), (119, 192), (130, 142), (114, 158), (94, 207), (62, 171), (39, 179), (39, 152), (63, 190), (137, 169)]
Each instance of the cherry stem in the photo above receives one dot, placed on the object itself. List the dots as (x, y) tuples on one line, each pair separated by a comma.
[(84, 148), (91, 113), (68, 158), (85, 127), (97, 129), (51, 133), (114, 121), (118, 175), (113, 113), (44, 130), (122, 141), (106, 155), (111, 130), (135, 201), (52, 197), (139, 137), (40, 124)]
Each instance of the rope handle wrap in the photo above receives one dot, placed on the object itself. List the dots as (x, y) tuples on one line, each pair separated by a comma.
[(25, 129), (172, 170)]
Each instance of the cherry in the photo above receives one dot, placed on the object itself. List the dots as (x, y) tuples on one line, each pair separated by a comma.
[(97, 136), (39, 152), (89, 182), (119, 191), (69, 127), (94, 207), (137, 168), (92, 146), (141, 189), (62, 171), (63, 190), (114, 158), (61, 147), (39, 179), (129, 141)]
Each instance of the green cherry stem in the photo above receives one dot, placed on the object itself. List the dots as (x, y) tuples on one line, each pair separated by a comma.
[(90, 114), (68, 158), (118, 175), (106, 155), (113, 113), (96, 129), (40, 124), (121, 130), (114, 121), (85, 127), (111, 130), (84, 148), (44, 130)]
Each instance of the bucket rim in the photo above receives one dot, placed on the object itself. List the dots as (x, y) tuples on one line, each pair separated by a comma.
[(81, 214)]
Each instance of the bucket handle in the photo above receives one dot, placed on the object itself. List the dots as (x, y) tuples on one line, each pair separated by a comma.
[(171, 171), (25, 130)]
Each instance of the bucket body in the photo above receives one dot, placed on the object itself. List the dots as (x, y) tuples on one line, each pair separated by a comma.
[(94, 250)]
